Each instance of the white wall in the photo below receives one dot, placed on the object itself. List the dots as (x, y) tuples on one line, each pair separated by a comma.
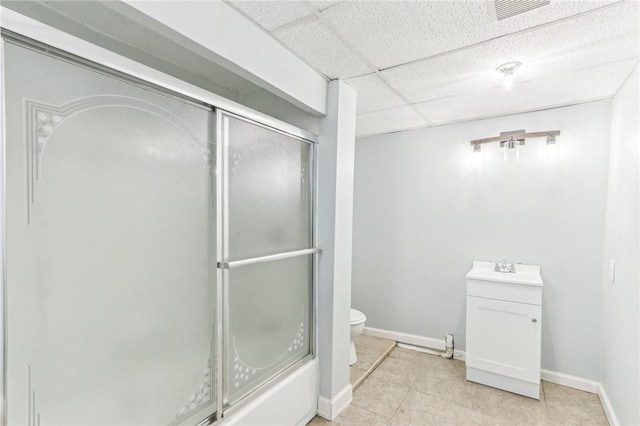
[(268, 103), (236, 43), (620, 319), (422, 215), (334, 222), (125, 30)]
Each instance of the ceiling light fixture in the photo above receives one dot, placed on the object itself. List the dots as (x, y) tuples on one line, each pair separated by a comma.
[(508, 69)]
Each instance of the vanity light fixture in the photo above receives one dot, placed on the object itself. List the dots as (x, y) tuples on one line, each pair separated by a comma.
[(511, 142), (518, 136), (508, 69), (513, 139)]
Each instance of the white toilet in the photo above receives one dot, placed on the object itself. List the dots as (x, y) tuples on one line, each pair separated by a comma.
[(357, 326)]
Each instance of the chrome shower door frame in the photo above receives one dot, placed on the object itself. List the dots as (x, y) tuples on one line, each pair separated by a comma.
[(92, 55), (3, 243), (224, 266)]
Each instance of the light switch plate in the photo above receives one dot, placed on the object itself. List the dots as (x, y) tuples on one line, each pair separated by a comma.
[(612, 270)]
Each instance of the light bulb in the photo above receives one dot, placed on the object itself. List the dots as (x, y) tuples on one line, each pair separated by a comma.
[(508, 70), (512, 152), (477, 158), (508, 81), (550, 151)]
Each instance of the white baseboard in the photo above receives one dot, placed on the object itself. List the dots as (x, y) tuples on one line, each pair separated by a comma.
[(459, 355), (414, 342), (606, 405), (330, 409), (409, 339), (570, 381), (586, 385)]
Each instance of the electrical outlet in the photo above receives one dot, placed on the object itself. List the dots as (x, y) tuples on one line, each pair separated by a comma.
[(612, 270)]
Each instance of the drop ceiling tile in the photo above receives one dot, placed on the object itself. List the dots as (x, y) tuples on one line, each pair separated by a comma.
[(321, 49), (563, 89), (596, 54), (374, 94), (389, 120), (324, 4), (558, 48), (272, 14), (391, 33)]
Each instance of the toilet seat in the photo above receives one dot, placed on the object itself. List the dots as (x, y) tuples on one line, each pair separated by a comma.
[(357, 317)]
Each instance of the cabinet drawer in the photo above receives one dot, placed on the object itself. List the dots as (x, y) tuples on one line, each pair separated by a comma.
[(505, 291)]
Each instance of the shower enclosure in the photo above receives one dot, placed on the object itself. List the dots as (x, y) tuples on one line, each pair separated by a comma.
[(159, 251)]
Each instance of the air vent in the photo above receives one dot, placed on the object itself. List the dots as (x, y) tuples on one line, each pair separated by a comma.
[(504, 9)]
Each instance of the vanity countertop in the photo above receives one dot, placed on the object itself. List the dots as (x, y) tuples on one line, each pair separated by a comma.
[(525, 274)]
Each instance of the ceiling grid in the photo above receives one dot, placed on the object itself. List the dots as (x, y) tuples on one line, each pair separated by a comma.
[(498, 38), (364, 59), (419, 63)]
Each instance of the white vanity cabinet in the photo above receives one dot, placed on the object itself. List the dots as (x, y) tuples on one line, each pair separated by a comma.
[(504, 328)]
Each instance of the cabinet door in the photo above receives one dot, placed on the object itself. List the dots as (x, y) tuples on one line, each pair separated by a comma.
[(504, 338)]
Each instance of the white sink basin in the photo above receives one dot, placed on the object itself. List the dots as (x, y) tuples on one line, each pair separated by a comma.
[(525, 274)]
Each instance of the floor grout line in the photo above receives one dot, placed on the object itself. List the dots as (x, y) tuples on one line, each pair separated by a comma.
[(399, 405), (371, 412)]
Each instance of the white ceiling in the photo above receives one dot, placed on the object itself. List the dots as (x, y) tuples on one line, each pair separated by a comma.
[(424, 63)]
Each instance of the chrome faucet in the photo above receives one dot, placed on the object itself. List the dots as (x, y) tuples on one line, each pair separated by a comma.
[(505, 267)]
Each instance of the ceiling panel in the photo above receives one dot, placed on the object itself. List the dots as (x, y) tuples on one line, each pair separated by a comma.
[(321, 49), (442, 55), (374, 94), (273, 14), (563, 89), (568, 46), (388, 120), (392, 33), (323, 4)]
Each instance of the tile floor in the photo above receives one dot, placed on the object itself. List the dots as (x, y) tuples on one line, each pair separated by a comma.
[(413, 388), (371, 352)]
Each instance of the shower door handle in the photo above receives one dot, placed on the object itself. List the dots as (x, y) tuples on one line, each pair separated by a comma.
[(236, 263)]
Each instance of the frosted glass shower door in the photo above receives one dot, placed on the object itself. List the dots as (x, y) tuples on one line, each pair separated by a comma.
[(110, 249), (266, 254)]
